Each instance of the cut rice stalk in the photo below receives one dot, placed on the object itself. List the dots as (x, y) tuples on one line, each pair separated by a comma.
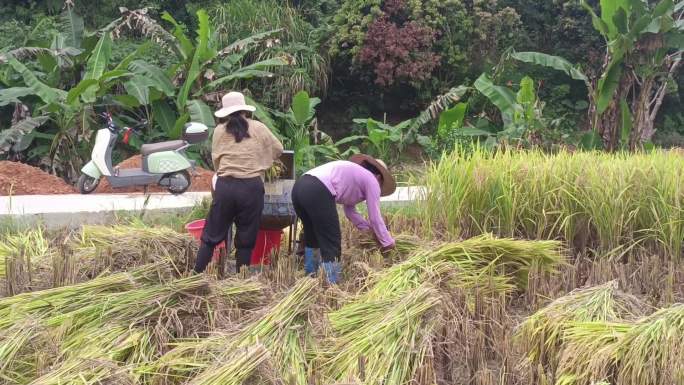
[(18, 358), (270, 329), (390, 334), (62, 299), (239, 367), (132, 244), (652, 351), (588, 355), (86, 372), (472, 260), (31, 244), (541, 335), (644, 352)]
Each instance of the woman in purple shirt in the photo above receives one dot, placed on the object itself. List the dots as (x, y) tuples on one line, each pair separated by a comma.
[(348, 183)]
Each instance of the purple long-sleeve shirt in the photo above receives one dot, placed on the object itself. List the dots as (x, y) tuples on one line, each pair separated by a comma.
[(351, 184)]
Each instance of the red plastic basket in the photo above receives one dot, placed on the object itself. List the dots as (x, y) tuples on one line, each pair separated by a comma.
[(268, 241), (195, 229)]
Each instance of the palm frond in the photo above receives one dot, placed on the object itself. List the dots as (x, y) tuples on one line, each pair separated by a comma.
[(140, 21), (247, 42), (24, 53), (439, 104)]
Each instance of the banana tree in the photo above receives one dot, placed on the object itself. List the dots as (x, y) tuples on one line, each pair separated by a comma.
[(64, 116), (521, 112), (644, 46), (385, 140), (200, 70), (298, 128)]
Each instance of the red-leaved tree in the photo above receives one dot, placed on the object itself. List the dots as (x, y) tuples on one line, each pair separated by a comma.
[(398, 49)]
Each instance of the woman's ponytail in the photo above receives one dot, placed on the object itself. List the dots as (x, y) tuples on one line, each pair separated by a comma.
[(237, 125)]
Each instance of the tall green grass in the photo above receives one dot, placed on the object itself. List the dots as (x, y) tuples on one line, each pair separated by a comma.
[(605, 202), (238, 19)]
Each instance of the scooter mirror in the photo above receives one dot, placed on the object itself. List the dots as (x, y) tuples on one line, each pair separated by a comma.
[(195, 128), (195, 132)]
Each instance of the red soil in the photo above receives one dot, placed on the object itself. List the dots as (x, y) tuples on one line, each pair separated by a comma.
[(21, 179), (200, 182)]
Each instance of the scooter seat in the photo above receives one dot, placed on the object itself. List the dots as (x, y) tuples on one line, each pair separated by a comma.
[(148, 149)]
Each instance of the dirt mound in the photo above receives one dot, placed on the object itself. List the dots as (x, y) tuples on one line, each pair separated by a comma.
[(21, 179), (201, 181)]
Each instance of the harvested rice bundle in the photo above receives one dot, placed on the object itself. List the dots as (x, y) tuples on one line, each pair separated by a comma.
[(237, 295), (87, 372), (404, 243), (29, 332), (111, 341), (515, 257), (102, 347), (241, 365), (588, 354), (31, 244), (542, 334), (272, 329), (19, 344), (392, 335), (59, 300), (275, 171), (94, 323), (108, 352), (501, 261), (130, 245), (130, 307), (652, 351), (643, 352), (292, 350)]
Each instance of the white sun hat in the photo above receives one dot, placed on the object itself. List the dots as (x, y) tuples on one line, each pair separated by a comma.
[(233, 102)]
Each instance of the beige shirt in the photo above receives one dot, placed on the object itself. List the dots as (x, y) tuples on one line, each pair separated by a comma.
[(249, 158)]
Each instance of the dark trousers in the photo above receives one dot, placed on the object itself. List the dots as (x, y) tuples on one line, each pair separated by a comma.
[(238, 201), (317, 209)]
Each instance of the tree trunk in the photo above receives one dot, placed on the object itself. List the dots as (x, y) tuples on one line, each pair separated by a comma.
[(648, 102), (642, 129), (609, 123)]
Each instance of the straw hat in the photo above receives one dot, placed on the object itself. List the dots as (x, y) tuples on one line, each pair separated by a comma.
[(233, 102), (389, 185)]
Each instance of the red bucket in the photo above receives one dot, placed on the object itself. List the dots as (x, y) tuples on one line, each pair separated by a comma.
[(268, 242), (195, 229)]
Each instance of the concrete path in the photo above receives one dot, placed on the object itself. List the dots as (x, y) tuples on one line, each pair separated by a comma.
[(72, 210)]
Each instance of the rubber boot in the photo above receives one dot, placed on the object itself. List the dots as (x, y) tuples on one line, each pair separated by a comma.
[(332, 272), (312, 259)]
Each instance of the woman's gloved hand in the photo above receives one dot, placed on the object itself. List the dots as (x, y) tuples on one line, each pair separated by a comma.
[(368, 239), (387, 249)]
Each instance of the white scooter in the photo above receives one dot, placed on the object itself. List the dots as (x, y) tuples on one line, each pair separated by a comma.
[(163, 163)]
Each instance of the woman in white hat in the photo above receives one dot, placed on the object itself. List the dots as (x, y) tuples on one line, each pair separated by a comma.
[(348, 183), (242, 150)]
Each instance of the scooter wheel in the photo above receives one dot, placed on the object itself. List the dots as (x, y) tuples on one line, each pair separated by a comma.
[(87, 184), (179, 182)]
